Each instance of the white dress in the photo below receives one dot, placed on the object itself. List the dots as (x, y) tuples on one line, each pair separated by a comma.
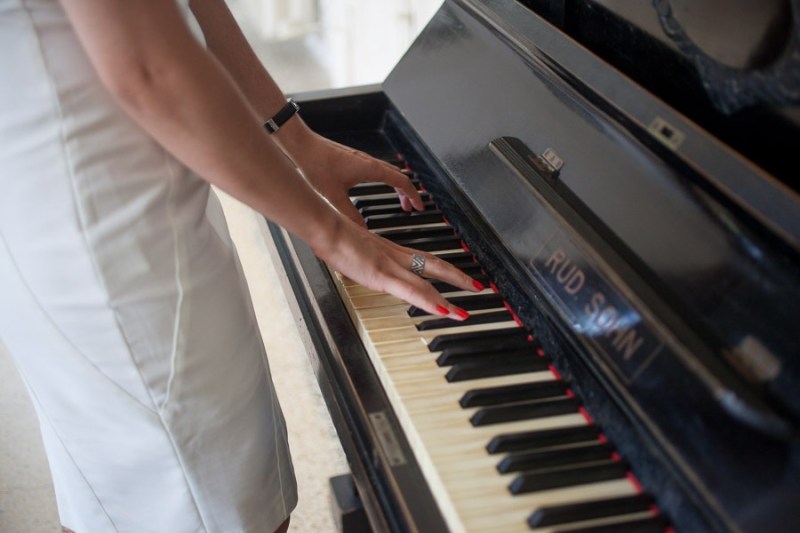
[(124, 308)]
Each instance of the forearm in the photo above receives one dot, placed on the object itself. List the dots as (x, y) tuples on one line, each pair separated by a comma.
[(331, 168), (226, 41), (180, 95)]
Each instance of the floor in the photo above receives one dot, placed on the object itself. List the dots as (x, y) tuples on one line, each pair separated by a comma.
[(27, 502)]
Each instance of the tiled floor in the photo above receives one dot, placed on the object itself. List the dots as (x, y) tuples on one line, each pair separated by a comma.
[(27, 503)]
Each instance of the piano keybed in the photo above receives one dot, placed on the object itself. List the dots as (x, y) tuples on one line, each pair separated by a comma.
[(502, 441)]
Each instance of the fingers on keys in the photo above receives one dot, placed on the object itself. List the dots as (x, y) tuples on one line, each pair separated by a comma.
[(435, 268), (409, 195), (443, 271), (418, 292), (344, 206), (405, 202), (431, 300)]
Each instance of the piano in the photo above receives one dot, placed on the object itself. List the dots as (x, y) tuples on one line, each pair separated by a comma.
[(623, 179)]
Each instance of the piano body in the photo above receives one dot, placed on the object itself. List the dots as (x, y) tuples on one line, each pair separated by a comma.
[(635, 364)]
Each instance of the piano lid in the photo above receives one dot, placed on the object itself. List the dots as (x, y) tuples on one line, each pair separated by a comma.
[(663, 250)]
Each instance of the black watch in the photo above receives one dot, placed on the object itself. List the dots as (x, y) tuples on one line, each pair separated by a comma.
[(280, 118)]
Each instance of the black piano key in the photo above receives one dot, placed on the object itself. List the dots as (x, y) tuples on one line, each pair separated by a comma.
[(450, 358), (472, 302), (404, 219), (576, 512), (567, 477), (548, 438), (367, 141), (399, 163), (457, 258), (515, 339), (369, 189), (468, 266), (360, 203), (519, 392), (497, 365), (444, 288), (471, 269), (521, 462), (389, 209), (483, 318), (477, 338), (656, 524), (409, 234), (433, 244), (486, 416)]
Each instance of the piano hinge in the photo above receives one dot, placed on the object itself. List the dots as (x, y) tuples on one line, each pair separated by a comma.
[(548, 164), (666, 133), (754, 361), (387, 439)]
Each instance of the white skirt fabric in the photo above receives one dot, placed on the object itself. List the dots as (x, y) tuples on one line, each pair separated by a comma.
[(124, 308)]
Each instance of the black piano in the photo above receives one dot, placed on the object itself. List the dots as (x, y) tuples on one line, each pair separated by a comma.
[(623, 178)]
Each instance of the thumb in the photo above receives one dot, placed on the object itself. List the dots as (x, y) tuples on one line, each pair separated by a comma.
[(345, 206)]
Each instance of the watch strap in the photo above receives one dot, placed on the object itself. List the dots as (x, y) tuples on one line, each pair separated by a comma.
[(288, 111)]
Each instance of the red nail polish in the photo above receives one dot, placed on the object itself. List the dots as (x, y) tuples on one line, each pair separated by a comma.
[(478, 285), (442, 310), (460, 312)]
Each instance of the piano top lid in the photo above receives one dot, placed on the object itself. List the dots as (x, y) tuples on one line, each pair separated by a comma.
[(559, 60)]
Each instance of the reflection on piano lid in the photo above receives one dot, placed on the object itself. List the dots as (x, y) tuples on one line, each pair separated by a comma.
[(634, 366)]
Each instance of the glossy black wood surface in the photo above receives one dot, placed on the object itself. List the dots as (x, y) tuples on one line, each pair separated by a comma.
[(685, 220), (701, 68), (674, 211)]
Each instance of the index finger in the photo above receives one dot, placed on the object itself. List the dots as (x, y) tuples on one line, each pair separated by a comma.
[(394, 177)]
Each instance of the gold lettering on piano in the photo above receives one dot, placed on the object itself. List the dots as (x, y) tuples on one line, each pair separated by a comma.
[(566, 272), (624, 338), (599, 314)]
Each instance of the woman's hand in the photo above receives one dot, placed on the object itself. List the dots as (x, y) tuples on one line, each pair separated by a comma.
[(332, 169), (382, 265), (372, 261)]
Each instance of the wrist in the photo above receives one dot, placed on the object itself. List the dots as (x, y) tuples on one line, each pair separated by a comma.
[(293, 136), (284, 115), (324, 237)]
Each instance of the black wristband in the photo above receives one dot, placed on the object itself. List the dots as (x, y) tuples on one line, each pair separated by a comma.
[(280, 118)]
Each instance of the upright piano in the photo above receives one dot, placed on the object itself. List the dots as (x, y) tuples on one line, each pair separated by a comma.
[(623, 178)]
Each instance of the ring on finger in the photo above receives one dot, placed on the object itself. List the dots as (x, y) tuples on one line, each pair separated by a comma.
[(417, 264)]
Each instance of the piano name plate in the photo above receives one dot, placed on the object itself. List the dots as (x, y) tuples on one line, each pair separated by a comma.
[(595, 309), (386, 437), (574, 280)]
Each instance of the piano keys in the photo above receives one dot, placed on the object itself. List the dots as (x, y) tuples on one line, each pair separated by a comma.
[(460, 388), (626, 368)]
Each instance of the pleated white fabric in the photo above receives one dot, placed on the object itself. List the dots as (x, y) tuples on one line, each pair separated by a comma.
[(125, 309)]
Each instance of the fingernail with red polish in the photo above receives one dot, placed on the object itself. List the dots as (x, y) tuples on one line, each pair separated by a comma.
[(460, 312), (442, 310), (478, 285)]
